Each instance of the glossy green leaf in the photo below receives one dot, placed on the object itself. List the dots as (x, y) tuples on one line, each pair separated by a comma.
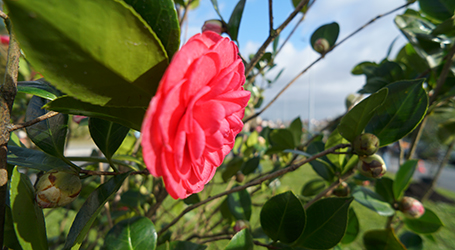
[(382, 239), (108, 136), (35, 159), (49, 135), (283, 217), (101, 52), (232, 167), (381, 75), (27, 217), (239, 204), (404, 108), (413, 61), (251, 165), (178, 245), (366, 68), (334, 139), (234, 20), (411, 241), (354, 122), (38, 88), (328, 31), (428, 223), (384, 187), (90, 210), (313, 187), (133, 233), (282, 139), (403, 177), (129, 117), (372, 201), (325, 217), (447, 28), (320, 165), (241, 241), (296, 129), (437, 9), (162, 18), (352, 229), (9, 238)]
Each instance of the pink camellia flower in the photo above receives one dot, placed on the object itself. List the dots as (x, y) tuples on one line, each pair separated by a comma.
[(192, 121)]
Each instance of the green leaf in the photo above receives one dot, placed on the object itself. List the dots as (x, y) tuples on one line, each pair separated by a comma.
[(241, 241), (35, 159), (162, 18), (320, 165), (239, 204), (101, 52), (325, 217), (403, 177), (334, 139), (428, 223), (381, 75), (108, 136), (384, 187), (352, 229), (251, 165), (296, 129), (446, 131), (132, 233), (232, 167), (447, 27), (234, 20), (305, 8), (49, 135), (313, 187), (372, 201), (90, 210), (328, 31), (404, 108), (437, 9), (217, 9), (411, 241), (384, 239), (354, 122), (129, 117), (283, 217), (192, 199), (178, 245), (38, 88), (282, 139), (27, 217), (9, 238), (366, 68)]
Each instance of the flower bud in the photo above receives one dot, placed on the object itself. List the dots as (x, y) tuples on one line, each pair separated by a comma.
[(342, 190), (57, 189), (321, 45), (365, 144), (214, 25), (372, 166), (239, 225), (239, 176), (411, 207)]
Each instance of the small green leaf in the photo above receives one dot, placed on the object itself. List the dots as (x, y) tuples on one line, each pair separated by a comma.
[(282, 139), (428, 223), (328, 31), (38, 88), (180, 245), (354, 122), (217, 9), (35, 159), (411, 241), (234, 20), (232, 167), (313, 187), (133, 233), (384, 187), (108, 136), (49, 135), (305, 8), (437, 9), (283, 217), (241, 241), (320, 165), (325, 217), (334, 139), (90, 210), (403, 177), (251, 165), (192, 199), (296, 129), (372, 201), (352, 229), (27, 217), (384, 239), (239, 204)]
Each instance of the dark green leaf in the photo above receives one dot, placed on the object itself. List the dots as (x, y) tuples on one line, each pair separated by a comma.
[(133, 198), (447, 28), (283, 217), (38, 88), (180, 245), (232, 167), (403, 178), (428, 223), (239, 204), (129, 117), (133, 233), (354, 122), (305, 8), (313, 187), (108, 136), (325, 217), (234, 20), (192, 199), (382, 240), (411, 241), (414, 63), (446, 131), (372, 201), (9, 238), (334, 139), (366, 68), (352, 229), (320, 166), (251, 165), (90, 210), (437, 9), (282, 139), (241, 241), (101, 52), (296, 129), (162, 18), (404, 108), (27, 217), (328, 31), (384, 187), (217, 9), (35, 159), (381, 76)]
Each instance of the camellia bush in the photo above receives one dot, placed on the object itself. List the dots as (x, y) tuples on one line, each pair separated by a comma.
[(183, 161)]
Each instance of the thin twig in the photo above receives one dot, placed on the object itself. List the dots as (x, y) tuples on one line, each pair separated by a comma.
[(271, 17), (90, 172), (185, 12), (318, 59), (227, 237), (264, 245), (34, 121), (254, 183)]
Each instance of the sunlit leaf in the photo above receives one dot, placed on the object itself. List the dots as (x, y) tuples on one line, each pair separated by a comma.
[(133, 233), (428, 223), (403, 177), (372, 201), (383, 239), (241, 241)]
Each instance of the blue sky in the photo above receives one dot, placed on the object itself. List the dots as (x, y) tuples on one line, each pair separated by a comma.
[(321, 92)]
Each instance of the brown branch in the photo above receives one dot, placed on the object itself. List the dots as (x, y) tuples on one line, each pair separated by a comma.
[(91, 172), (255, 182), (34, 121), (271, 17), (318, 59)]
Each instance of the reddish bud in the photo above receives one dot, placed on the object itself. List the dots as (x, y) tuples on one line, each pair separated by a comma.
[(239, 225), (411, 207), (214, 25), (321, 45)]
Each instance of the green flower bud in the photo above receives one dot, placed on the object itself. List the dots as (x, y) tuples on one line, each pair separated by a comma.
[(372, 166), (57, 189), (321, 45), (411, 207), (365, 144), (342, 190)]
